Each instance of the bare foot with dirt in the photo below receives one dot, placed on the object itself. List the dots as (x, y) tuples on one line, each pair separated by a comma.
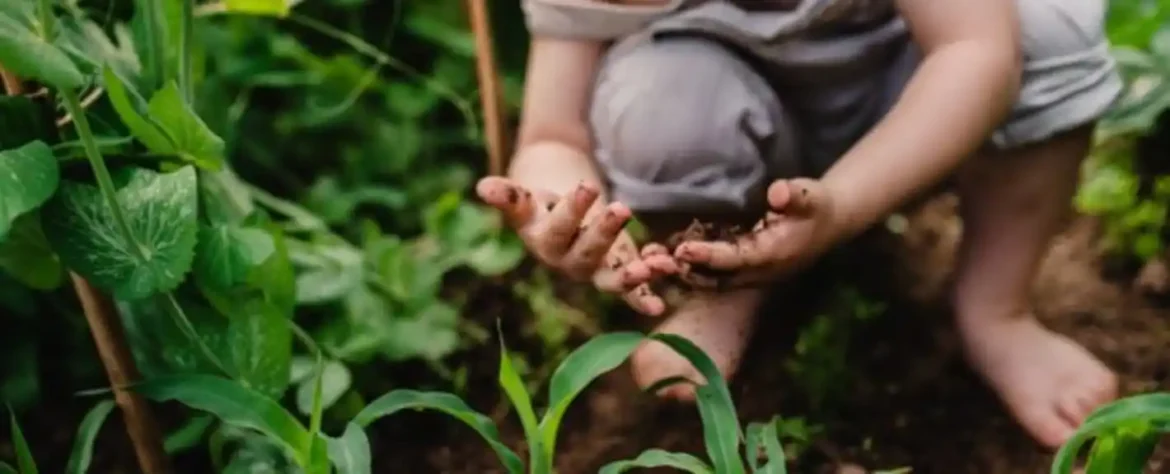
[(1048, 382), (719, 323)]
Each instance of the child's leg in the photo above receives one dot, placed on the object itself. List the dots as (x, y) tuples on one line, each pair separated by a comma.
[(1012, 204), (684, 127)]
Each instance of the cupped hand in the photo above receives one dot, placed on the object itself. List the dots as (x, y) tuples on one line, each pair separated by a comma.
[(564, 234), (799, 227)]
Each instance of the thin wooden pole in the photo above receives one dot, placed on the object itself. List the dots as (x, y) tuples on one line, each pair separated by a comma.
[(496, 132), (110, 338)]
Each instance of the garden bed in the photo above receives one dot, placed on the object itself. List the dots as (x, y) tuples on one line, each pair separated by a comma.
[(913, 403)]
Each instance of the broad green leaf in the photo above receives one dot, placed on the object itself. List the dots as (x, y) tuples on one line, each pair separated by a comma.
[(234, 404), (27, 257), (335, 381), (658, 458), (160, 210), (129, 106), (1149, 408), (28, 177), (88, 44), (432, 333), (227, 253), (87, 434), (350, 453), (194, 142), (24, 457), (517, 393), (24, 120), (277, 8), (399, 400), (721, 431), (261, 347), (584, 365), (27, 55), (767, 436)]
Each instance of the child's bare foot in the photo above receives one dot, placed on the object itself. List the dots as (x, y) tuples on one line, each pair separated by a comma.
[(719, 323), (1048, 382)]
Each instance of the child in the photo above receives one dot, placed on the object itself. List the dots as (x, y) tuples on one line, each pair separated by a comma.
[(828, 115)]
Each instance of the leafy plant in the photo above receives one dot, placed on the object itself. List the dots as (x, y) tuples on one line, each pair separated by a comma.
[(81, 454), (1122, 436)]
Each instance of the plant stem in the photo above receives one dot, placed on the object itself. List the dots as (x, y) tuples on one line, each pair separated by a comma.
[(47, 21), (187, 36), (101, 173), (156, 38), (188, 329)]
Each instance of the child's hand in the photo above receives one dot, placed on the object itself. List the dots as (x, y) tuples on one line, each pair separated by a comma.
[(800, 226), (601, 251)]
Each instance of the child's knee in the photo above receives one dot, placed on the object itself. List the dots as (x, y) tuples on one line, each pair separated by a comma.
[(682, 124)]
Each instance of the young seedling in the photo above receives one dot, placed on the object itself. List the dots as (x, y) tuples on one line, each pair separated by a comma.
[(1123, 435), (81, 455)]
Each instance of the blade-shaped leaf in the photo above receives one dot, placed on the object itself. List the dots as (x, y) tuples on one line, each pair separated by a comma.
[(721, 430), (767, 436), (1126, 449), (277, 8), (659, 458), (189, 435), (24, 457), (234, 404), (6, 468), (1150, 408), (87, 434), (335, 381), (130, 107), (350, 453), (27, 257), (27, 55), (584, 365), (28, 177), (160, 210), (194, 141), (399, 400), (517, 394)]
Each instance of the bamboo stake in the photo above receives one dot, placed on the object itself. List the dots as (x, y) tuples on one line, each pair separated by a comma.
[(490, 93), (110, 338)]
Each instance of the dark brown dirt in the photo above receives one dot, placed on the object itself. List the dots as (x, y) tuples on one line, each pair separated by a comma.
[(911, 401)]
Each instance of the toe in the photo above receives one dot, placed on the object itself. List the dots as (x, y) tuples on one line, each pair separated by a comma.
[(1074, 407), (654, 362)]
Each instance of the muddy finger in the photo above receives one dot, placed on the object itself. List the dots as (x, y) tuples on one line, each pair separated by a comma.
[(595, 239), (556, 231), (514, 201), (644, 301)]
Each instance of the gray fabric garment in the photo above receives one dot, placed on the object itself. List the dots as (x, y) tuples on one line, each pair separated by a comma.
[(700, 104)]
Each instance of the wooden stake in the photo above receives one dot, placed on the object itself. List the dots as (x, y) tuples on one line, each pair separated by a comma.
[(110, 338), (499, 147)]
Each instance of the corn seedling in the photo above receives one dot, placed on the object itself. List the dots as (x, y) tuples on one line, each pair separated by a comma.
[(81, 455), (1121, 436)]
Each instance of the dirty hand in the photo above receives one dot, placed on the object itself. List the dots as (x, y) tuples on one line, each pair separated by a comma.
[(560, 232), (799, 227)]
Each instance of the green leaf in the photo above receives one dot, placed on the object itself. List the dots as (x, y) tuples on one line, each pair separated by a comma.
[(128, 104), (1150, 408), (28, 177), (584, 365), (335, 381), (24, 457), (277, 8), (659, 458), (399, 400), (27, 257), (194, 141), (351, 452), (517, 394), (1126, 449), (233, 404), (189, 435), (161, 211), (721, 431), (766, 435), (6, 468), (227, 253), (25, 54), (430, 334), (87, 434)]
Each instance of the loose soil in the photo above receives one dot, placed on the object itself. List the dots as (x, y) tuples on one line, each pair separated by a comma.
[(911, 401)]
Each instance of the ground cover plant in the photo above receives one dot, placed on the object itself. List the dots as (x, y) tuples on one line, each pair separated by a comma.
[(274, 196)]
